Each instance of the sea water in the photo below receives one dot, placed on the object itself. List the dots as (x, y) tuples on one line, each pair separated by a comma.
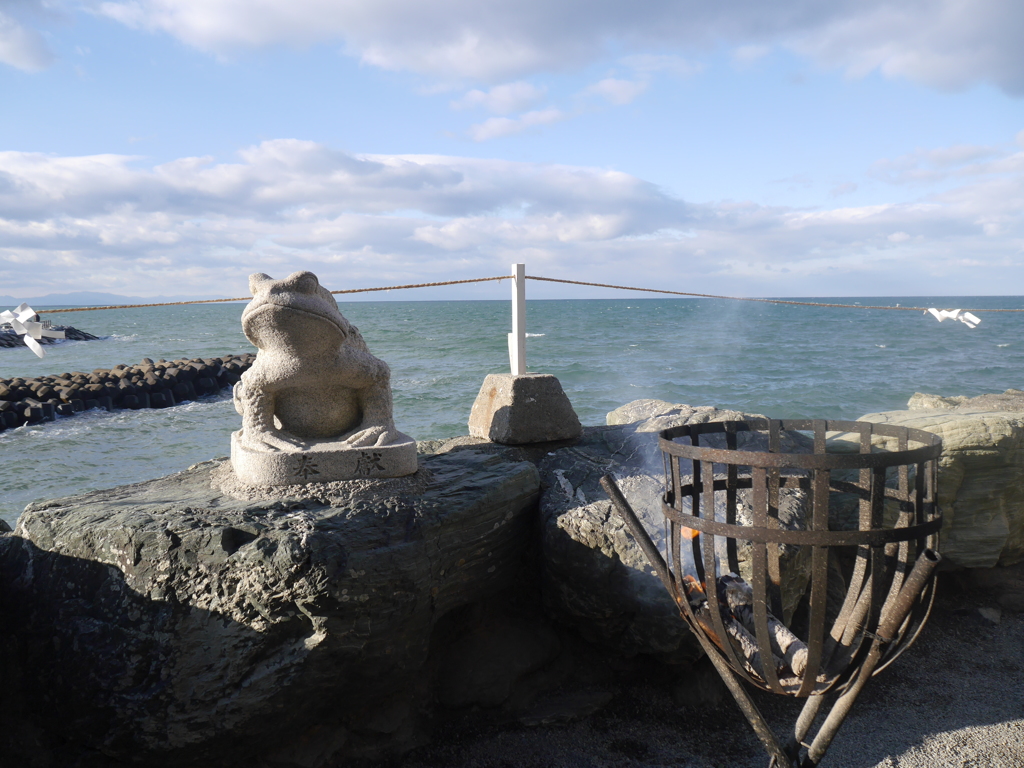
[(779, 360)]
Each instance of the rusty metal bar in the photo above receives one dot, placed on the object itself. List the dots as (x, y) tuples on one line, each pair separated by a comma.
[(711, 589), (731, 488), (762, 576), (638, 531), (896, 611), (757, 722), (872, 538), (819, 569), (772, 546)]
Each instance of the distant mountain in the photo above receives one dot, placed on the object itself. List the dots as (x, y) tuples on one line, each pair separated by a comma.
[(89, 298)]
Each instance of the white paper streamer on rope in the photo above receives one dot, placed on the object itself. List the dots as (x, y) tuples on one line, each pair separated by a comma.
[(971, 321), (22, 323)]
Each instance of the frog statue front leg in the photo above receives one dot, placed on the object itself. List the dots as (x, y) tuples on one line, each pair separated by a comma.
[(377, 426), (254, 401)]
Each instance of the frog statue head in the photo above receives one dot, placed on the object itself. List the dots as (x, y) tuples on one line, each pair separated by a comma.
[(294, 312)]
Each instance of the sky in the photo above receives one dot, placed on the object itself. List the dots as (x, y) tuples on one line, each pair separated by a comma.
[(746, 148)]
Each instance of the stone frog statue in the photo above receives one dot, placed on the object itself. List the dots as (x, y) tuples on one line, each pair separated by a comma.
[(314, 378)]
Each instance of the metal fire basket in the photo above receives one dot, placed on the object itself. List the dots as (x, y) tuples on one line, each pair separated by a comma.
[(724, 483)]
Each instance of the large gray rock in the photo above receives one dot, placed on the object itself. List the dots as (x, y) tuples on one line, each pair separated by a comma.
[(648, 414), (522, 409), (981, 480), (596, 578), (191, 620)]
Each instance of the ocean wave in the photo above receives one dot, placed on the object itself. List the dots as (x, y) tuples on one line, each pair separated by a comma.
[(535, 335)]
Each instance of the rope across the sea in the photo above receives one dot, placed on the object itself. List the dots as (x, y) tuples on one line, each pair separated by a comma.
[(247, 298), (543, 279)]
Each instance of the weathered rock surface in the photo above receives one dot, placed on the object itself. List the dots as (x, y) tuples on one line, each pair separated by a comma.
[(650, 415), (596, 578), (1010, 400), (190, 620), (981, 479)]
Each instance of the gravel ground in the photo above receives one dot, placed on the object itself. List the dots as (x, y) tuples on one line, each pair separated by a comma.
[(956, 698)]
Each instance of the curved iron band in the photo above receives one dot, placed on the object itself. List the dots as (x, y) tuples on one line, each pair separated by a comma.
[(789, 481), (873, 538), (931, 446), (801, 460), (802, 425)]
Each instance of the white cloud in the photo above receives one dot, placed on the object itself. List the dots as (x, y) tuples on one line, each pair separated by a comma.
[(934, 165), (496, 127), (489, 42), (202, 225), (616, 90), (22, 47), (944, 43), (949, 44), (503, 99)]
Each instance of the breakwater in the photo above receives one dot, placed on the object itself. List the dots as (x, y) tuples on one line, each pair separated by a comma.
[(148, 384), (10, 339)]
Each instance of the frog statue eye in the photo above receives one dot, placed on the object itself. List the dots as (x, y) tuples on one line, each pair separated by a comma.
[(256, 280), (302, 282)]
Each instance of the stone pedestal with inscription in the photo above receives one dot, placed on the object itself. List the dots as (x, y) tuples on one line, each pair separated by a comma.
[(322, 461)]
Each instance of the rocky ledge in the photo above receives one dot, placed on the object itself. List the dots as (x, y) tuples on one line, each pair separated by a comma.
[(192, 620)]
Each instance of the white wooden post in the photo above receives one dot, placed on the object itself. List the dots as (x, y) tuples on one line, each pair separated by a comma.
[(517, 339)]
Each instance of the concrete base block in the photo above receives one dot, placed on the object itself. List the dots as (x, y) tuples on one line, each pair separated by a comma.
[(323, 462), (516, 410)]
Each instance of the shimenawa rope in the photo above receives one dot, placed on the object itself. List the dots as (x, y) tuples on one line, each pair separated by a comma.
[(534, 277)]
